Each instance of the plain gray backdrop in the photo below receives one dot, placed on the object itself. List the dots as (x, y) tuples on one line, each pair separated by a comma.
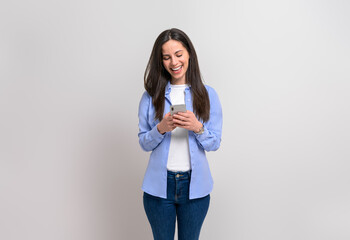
[(71, 77)]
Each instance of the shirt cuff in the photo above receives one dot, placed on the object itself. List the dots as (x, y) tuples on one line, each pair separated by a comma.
[(156, 135), (203, 136)]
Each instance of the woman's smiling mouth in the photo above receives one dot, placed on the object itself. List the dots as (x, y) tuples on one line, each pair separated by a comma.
[(176, 70)]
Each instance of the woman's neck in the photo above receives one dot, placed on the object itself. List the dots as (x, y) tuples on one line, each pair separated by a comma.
[(181, 81)]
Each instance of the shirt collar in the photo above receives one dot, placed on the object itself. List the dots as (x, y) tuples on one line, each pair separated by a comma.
[(168, 88)]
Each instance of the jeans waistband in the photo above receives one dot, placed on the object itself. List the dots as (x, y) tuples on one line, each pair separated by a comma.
[(179, 175)]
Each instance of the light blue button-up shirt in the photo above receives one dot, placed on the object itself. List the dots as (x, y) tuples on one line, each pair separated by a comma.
[(155, 179)]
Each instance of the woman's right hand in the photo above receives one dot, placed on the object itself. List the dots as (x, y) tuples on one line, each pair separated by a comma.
[(167, 124)]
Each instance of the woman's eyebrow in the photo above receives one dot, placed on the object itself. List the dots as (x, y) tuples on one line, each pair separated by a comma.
[(175, 53)]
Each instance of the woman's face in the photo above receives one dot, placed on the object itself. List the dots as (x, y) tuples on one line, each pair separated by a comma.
[(175, 60)]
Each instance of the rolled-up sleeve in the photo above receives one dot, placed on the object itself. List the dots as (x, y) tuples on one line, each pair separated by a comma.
[(149, 137), (210, 139)]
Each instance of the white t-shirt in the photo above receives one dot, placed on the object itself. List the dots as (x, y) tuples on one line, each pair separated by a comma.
[(179, 152)]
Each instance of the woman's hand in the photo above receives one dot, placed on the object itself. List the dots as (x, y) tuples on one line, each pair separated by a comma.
[(187, 120), (167, 124)]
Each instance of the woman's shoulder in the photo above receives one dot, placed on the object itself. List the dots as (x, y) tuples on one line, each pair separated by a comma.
[(213, 96), (145, 98), (145, 95), (211, 91)]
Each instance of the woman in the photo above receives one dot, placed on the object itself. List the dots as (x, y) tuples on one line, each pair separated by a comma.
[(177, 182)]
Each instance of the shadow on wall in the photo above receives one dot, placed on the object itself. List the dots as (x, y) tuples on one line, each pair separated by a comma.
[(116, 174)]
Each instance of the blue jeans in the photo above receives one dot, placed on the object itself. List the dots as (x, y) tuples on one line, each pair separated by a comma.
[(162, 213)]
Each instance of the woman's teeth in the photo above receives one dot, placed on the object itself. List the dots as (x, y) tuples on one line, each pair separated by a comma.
[(175, 69)]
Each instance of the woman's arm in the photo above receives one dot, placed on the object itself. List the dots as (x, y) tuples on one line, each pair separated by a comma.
[(210, 139), (149, 138)]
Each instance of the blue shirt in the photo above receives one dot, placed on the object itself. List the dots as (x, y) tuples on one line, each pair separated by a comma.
[(155, 179)]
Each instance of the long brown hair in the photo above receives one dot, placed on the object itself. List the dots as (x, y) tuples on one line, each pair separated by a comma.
[(156, 76)]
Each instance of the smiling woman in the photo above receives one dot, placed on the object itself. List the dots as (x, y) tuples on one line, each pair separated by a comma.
[(178, 182), (175, 61)]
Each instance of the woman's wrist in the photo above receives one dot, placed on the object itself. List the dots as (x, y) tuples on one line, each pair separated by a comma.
[(159, 130), (198, 128)]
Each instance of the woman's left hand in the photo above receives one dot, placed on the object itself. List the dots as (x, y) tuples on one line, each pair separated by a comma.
[(187, 120)]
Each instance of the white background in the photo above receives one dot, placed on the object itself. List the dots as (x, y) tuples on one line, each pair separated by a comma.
[(71, 77)]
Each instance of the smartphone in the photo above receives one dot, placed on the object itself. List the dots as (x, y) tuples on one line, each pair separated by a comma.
[(177, 108)]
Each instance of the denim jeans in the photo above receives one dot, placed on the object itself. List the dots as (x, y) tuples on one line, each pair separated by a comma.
[(162, 213)]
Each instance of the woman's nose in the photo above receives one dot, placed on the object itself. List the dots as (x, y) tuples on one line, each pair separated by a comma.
[(174, 61)]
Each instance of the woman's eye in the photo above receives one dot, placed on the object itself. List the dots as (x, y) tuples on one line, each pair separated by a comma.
[(179, 55), (165, 58)]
